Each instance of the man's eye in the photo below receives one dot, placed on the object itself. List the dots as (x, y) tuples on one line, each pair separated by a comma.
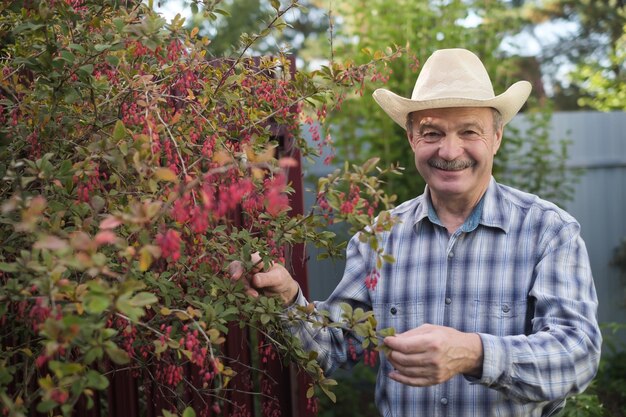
[(431, 135)]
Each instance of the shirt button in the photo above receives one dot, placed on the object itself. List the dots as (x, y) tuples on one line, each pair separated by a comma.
[(448, 300), (451, 255), (506, 308), (393, 310), (443, 401)]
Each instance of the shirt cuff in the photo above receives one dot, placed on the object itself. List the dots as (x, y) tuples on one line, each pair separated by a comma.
[(494, 360), (299, 301)]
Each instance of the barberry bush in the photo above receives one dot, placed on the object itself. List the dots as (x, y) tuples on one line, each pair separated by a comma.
[(135, 167)]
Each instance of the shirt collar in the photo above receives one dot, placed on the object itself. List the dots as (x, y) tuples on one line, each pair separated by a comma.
[(496, 209), (490, 211)]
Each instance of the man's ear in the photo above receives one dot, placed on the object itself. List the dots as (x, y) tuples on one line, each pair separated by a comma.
[(498, 140), (411, 137)]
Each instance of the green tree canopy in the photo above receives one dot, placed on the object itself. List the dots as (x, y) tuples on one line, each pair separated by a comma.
[(363, 130), (590, 43)]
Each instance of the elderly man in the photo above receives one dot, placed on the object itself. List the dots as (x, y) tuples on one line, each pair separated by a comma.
[(491, 293)]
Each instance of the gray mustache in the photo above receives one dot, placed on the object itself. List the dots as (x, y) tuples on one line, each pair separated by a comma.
[(456, 165)]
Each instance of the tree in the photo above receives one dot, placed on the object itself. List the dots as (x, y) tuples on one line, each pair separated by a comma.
[(124, 153), (237, 17), (592, 47), (422, 27)]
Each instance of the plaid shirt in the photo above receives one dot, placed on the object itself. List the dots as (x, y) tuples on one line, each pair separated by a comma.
[(516, 272)]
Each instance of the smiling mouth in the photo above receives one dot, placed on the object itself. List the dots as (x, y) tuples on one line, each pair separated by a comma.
[(455, 165)]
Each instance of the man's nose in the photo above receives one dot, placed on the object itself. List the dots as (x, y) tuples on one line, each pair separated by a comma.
[(450, 147)]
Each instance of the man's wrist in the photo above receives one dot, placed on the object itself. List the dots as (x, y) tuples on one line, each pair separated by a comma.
[(294, 297), (475, 365)]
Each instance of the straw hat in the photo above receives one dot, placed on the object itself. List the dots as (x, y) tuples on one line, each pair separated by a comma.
[(453, 78)]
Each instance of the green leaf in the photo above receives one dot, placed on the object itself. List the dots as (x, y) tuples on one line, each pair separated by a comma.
[(331, 395), (62, 369), (113, 60), (87, 69), (93, 354), (97, 203), (96, 380), (77, 47), (6, 267), (96, 303), (347, 309), (389, 331), (389, 259), (143, 299), (159, 347), (117, 355), (119, 132), (27, 27), (46, 405), (126, 307), (189, 412), (101, 47), (328, 381), (68, 56), (221, 11), (71, 96)]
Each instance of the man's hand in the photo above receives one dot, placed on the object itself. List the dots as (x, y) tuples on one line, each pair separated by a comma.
[(275, 281), (429, 355)]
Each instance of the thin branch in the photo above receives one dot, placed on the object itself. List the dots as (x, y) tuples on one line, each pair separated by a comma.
[(252, 41)]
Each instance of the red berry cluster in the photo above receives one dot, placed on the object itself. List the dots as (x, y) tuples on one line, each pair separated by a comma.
[(352, 350), (169, 373), (312, 405), (193, 344), (325, 208), (169, 242), (89, 182), (129, 335), (371, 280), (59, 396), (370, 357), (267, 352), (276, 201), (382, 76), (270, 405), (39, 312)]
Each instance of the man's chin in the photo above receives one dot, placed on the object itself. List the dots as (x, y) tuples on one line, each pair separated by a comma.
[(449, 182)]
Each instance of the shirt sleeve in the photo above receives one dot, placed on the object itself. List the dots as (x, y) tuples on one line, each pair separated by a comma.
[(560, 355), (335, 346)]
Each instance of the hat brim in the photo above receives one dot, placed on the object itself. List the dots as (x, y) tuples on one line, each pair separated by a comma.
[(507, 103)]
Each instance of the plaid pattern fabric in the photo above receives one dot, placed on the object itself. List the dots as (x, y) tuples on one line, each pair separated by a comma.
[(517, 273)]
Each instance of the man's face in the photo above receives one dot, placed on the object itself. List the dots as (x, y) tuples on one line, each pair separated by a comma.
[(454, 150)]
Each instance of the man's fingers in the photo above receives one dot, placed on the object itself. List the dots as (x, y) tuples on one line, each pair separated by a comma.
[(404, 344), (252, 292), (235, 270), (407, 380), (257, 262), (401, 360), (268, 279)]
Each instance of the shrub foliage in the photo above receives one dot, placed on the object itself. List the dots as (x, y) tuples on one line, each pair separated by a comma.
[(134, 170)]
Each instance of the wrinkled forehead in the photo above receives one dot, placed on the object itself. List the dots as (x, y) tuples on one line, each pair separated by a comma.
[(452, 115)]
